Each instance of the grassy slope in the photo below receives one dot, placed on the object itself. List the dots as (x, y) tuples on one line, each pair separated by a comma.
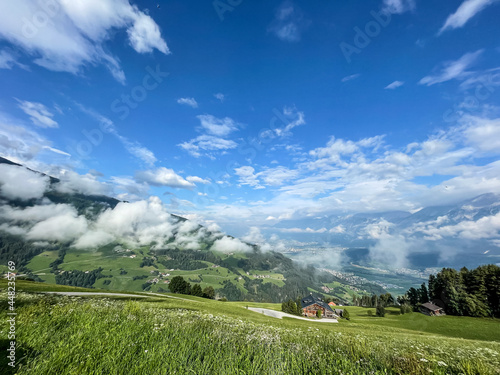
[(195, 341)]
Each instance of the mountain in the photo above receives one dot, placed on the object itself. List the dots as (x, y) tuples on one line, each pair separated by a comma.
[(57, 234), (463, 234)]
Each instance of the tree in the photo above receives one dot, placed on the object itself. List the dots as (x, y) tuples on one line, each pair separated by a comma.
[(405, 309), (346, 315), (179, 285), (423, 294), (380, 311), (319, 313), (196, 290), (209, 292), (413, 297), (299, 306)]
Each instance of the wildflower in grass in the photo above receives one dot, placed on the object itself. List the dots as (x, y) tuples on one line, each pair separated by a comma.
[(442, 364)]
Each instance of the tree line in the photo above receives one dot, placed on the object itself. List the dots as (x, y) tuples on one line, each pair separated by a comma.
[(463, 293), (181, 286)]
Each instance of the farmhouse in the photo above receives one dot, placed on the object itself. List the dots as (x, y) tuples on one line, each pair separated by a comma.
[(431, 309), (311, 305)]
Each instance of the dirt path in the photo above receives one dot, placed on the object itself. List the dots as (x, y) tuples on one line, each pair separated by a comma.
[(280, 315)]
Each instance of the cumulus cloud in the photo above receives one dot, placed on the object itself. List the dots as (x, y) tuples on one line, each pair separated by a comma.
[(63, 228), (452, 69), (69, 35), (483, 133), (219, 127), (163, 177), (214, 140), (21, 183), (38, 113), (254, 236), (228, 245), (188, 101), (72, 182), (139, 223), (93, 239), (466, 10)]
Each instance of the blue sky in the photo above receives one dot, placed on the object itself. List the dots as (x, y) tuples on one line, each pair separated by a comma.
[(249, 115)]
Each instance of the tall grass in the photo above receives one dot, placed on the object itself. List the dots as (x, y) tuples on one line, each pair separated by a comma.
[(62, 335)]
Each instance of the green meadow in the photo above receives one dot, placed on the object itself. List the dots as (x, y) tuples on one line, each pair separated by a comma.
[(163, 335)]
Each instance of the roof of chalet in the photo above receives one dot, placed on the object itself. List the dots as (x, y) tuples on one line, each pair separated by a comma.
[(431, 306), (310, 300)]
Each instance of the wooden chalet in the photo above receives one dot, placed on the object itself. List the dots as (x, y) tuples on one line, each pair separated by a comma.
[(311, 305), (431, 309)]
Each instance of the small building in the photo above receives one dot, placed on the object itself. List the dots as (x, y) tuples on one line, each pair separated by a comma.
[(331, 304), (311, 305), (431, 309)]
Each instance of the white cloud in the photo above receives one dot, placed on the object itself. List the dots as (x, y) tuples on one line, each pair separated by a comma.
[(247, 176), (254, 236), (72, 182), (163, 177), (466, 10), (139, 223), (392, 250), (289, 23), (93, 239), (214, 141), (452, 69), (197, 180), (130, 190), (483, 134), (19, 143), (38, 113), (350, 78), (227, 245), (8, 60), (394, 85), (216, 126), (188, 101), (67, 35), (398, 6), (145, 35), (290, 118), (219, 96), (21, 183), (198, 145), (64, 227)]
